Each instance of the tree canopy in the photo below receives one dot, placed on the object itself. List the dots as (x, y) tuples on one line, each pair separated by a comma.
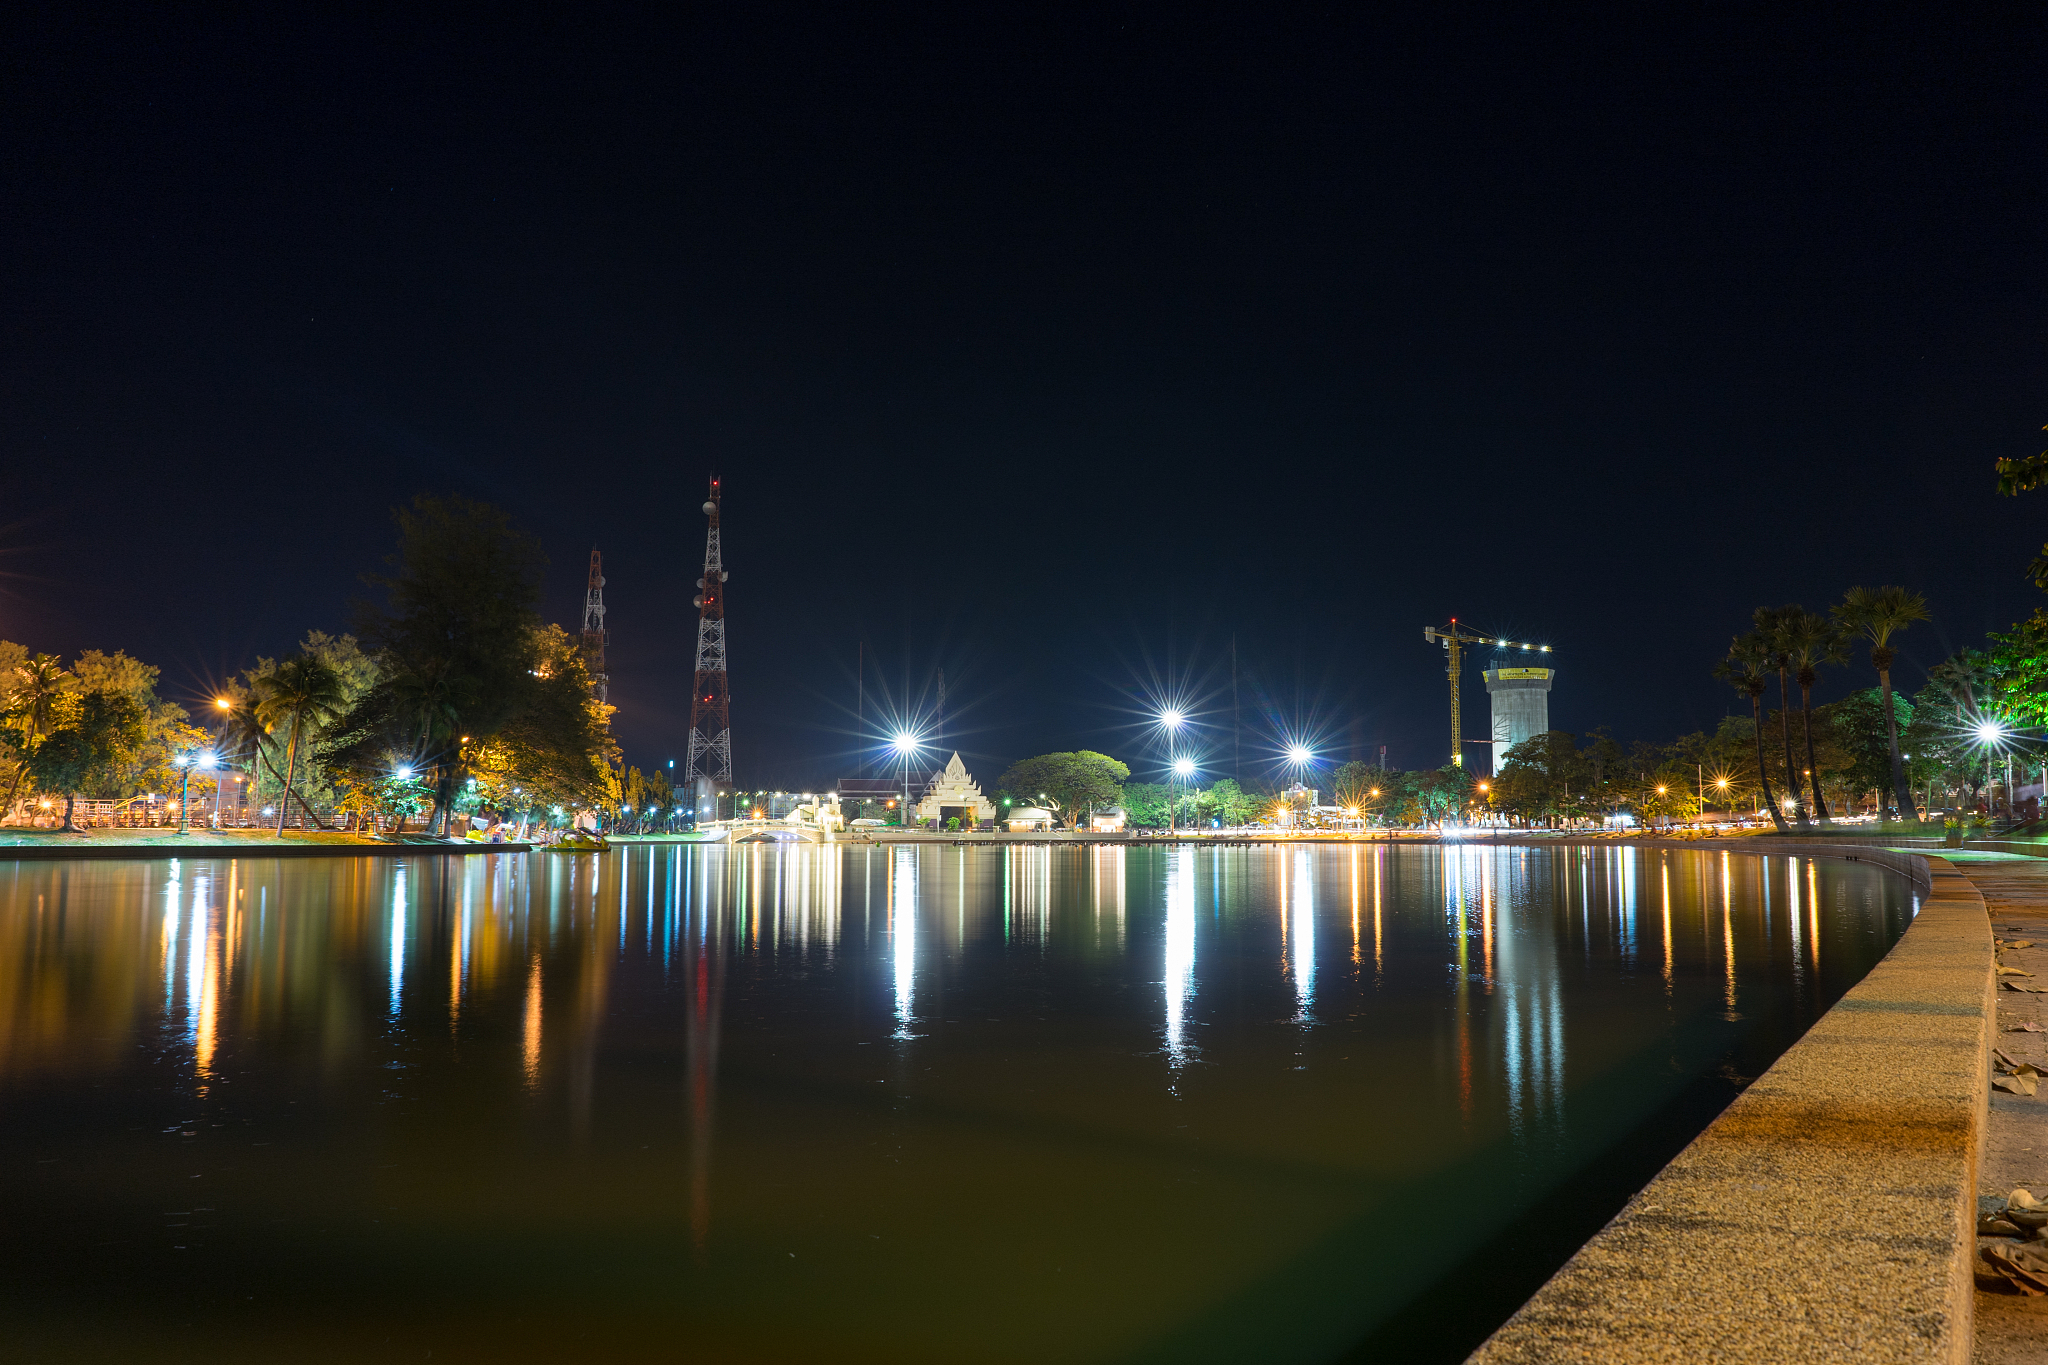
[(469, 682), (1080, 782)]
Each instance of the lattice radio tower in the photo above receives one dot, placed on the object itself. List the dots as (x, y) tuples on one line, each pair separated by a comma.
[(593, 628), (711, 703)]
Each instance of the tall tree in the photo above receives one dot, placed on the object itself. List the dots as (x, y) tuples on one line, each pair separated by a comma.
[(1877, 615), (32, 695), (94, 733), (2024, 476), (1769, 629), (1808, 641), (456, 637), (302, 692), (1746, 668), (1079, 781)]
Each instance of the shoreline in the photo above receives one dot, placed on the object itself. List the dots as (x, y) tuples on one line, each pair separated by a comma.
[(1829, 1212)]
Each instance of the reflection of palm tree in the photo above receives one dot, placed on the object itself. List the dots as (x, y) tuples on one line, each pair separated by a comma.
[(33, 701), (1747, 665), (304, 692), (1808, 641), (1877, 616)]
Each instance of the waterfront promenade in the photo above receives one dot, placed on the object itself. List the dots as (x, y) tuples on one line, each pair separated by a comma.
[(2012, 1328)]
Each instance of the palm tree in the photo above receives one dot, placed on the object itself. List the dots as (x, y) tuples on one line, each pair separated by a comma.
[(304, 692), (1877, 615), (430, 707), (1770, 623), (244, 729), (1809, 641), (32, 700), (1747, 665)]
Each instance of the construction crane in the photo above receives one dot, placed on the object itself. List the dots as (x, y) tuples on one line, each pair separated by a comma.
[(1454, 639)]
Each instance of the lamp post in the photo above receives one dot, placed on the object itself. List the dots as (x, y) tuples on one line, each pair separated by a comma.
[(1991, 733), (1301, 759), (184, 765), (905, 744), (208, 760), (1183, 768)]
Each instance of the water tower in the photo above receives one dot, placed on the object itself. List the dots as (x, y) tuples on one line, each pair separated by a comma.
[(1521, 705)]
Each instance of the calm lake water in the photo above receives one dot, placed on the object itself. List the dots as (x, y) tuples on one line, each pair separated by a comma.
[(908, 1104)]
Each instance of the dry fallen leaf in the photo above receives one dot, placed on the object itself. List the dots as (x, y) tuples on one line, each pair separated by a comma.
[(2023, 986), (2013, 1085), (2022, 1266), (2004, 970), (2028, 1027)]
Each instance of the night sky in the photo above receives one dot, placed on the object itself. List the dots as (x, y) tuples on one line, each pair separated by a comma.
[(1056, 348)]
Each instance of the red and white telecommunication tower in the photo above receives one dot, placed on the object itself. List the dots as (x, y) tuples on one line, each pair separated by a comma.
[(710, 762)]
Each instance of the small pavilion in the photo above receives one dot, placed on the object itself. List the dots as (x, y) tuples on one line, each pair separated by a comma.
[(954, 792)]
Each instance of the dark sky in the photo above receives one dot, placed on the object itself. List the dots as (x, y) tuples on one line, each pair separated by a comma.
[(1051, 347)]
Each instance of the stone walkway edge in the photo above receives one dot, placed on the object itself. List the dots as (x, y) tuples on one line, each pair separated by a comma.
[(1829, 1213)]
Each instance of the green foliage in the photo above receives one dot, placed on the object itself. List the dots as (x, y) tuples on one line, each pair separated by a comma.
[(469, 681), (1079, 782), (1228, 803), (299, 696), (2023, 476), (96, 734), (1858, 750), (1145, 804), (2016, 672)]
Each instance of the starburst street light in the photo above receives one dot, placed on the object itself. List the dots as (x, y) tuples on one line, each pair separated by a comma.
[(1183, 767), (1171, 719), (1300, 755), (906, 743)]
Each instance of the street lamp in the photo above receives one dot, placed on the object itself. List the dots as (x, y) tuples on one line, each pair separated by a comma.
[(906, 744), (1183, 768), (207, 760), (183, 762), (1992, 734)]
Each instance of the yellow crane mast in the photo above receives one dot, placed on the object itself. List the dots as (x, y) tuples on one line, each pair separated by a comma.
[(1454, 638)]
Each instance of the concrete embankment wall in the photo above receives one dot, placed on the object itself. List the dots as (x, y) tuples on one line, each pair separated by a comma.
[(1829, 1213), (284, 848)]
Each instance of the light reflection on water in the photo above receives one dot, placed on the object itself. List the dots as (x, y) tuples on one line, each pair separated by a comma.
[(1101, 1103)]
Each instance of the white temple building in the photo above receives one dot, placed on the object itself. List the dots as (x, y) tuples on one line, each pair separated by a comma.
[(952, 792)]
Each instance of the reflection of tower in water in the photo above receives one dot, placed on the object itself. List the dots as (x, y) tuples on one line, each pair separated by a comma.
[(703, 962), (1491, 895)]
